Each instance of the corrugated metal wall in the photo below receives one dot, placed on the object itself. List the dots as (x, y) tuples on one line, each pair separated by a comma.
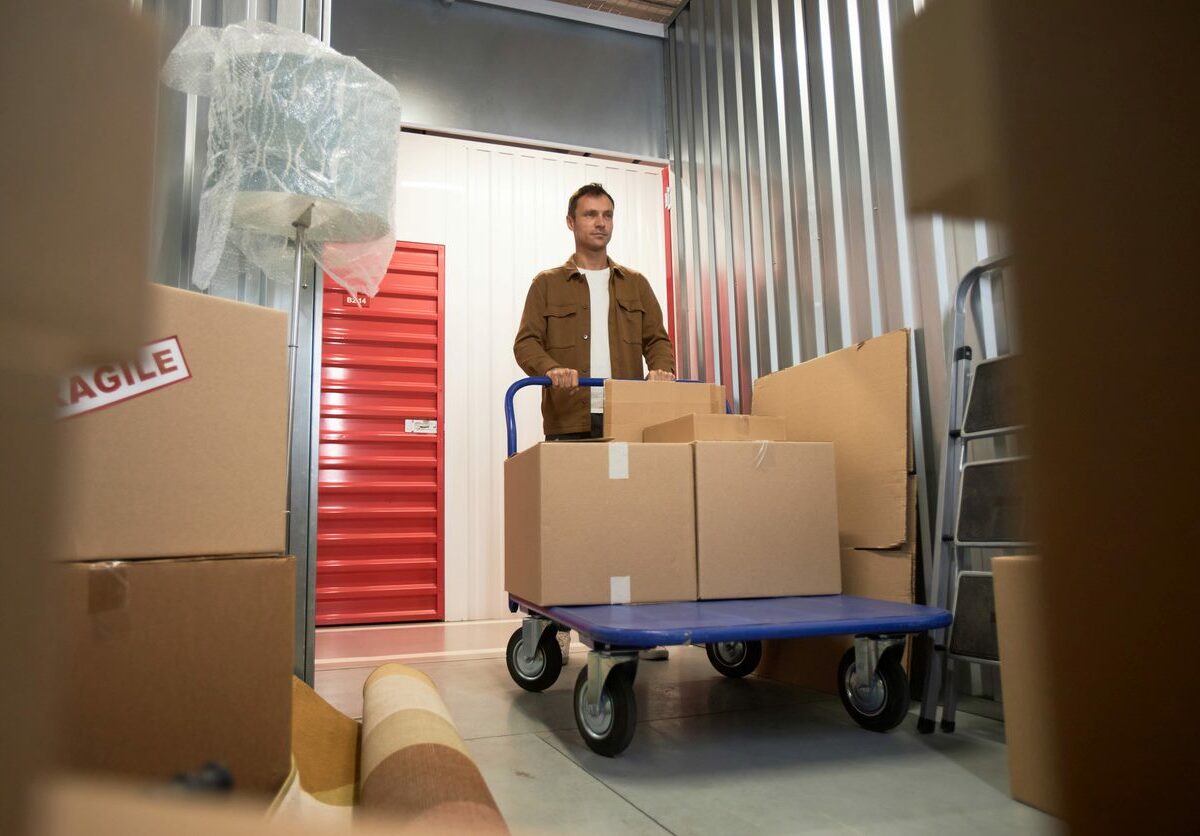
[(791, 238)]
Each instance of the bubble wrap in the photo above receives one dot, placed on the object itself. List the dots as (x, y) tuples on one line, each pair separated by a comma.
[(292, 124)]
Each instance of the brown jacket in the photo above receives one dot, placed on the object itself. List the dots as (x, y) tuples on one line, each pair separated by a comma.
[(556, 326)]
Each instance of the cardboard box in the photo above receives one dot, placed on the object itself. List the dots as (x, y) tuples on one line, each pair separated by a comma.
[(77, 242), (600, 523), (766, 519), (170, 664), (890, 575), (950, 130), (813, 663), (717, 428), (182, 452), (632, 405), (1029, 729), (857, 398), (70, 806), (77, 253)]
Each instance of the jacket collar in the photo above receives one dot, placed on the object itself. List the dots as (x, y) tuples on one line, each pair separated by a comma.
[(572, 271)]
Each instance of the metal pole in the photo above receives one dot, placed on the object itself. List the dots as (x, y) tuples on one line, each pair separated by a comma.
[(301, 224)]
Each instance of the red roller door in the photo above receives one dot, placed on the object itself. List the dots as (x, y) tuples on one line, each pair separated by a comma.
[(380, 494)]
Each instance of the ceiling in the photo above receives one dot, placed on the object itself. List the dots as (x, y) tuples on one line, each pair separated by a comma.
[(658, 11)]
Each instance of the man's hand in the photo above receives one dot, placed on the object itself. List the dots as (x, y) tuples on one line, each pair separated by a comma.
[(564, 378), (665, 377)]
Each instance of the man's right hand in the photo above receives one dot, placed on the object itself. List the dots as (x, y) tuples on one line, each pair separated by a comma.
[(564, 378)]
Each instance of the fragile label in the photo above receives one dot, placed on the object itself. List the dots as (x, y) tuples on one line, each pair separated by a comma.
[(159, 364), (420, 426)]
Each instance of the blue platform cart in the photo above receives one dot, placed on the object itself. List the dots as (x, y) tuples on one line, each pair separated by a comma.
[(872, 684)]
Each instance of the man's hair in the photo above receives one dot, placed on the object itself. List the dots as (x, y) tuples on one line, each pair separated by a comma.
[(590, 190)]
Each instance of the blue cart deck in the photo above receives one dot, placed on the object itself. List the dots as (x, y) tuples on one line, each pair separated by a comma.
[(748, 619)]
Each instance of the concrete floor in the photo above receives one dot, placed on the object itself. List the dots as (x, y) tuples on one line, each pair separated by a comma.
[(718, 756)]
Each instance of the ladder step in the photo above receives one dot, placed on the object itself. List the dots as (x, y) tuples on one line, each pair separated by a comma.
[(991, 506), (973, 634), (994, 401)]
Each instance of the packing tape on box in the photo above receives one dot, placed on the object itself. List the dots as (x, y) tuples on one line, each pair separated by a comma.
[(108, 594), (619, 590), (618, 460), (762, 455)]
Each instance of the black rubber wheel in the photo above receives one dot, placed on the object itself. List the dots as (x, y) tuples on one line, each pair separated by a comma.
[(547, 663), (609, 731), (885, 706), (734, 659)]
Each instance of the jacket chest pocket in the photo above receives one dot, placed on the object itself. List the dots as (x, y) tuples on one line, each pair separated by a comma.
[(629, 319), (562, 325)]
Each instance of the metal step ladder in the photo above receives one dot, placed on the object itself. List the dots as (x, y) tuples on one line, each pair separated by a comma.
[(980, 506)]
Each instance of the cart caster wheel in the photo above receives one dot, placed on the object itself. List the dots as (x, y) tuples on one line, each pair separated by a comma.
[(734, 659), (540, 673), (885, 705), (925, 725), (608, 731)]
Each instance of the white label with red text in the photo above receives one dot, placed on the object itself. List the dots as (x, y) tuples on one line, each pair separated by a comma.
[(159, 364)]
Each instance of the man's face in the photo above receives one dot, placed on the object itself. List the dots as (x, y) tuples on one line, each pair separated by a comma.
[(592, 223)]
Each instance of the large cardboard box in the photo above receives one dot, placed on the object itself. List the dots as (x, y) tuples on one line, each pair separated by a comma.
[(766, 519), (1029, 728), (717, 428), (183, 451), (600, 523), (857, 398), (170, 664), (632, 405), (887, 574)]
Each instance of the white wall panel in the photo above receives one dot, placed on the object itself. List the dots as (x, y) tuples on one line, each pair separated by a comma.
[(500, 212)]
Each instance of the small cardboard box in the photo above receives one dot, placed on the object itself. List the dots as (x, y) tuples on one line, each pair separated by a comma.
[(717, 428), (632, 405), (600, 523), (1024, 674), (766, 519), (183, 451), (857, 398), (169, 664)]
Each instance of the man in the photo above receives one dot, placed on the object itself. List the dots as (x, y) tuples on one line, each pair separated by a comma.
[(591, 317)]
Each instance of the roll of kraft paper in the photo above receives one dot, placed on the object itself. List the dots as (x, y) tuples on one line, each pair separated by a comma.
[(414, 766)]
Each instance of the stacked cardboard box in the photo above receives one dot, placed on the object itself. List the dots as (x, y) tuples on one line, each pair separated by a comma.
[(600, 524), (632, 405), (707, 506), (174, 596)]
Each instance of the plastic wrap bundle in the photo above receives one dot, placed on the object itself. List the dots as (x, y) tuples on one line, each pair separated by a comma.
[(292, 125)]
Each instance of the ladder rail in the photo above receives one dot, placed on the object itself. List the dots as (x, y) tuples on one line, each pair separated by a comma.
[(939, 673)]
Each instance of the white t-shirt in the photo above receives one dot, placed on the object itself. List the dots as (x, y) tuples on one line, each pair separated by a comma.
[(601, 359)]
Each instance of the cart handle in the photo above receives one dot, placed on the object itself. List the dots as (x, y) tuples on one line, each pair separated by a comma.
[(510, 420)]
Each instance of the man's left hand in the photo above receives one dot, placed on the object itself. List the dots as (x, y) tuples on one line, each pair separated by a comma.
[(665, 377)]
